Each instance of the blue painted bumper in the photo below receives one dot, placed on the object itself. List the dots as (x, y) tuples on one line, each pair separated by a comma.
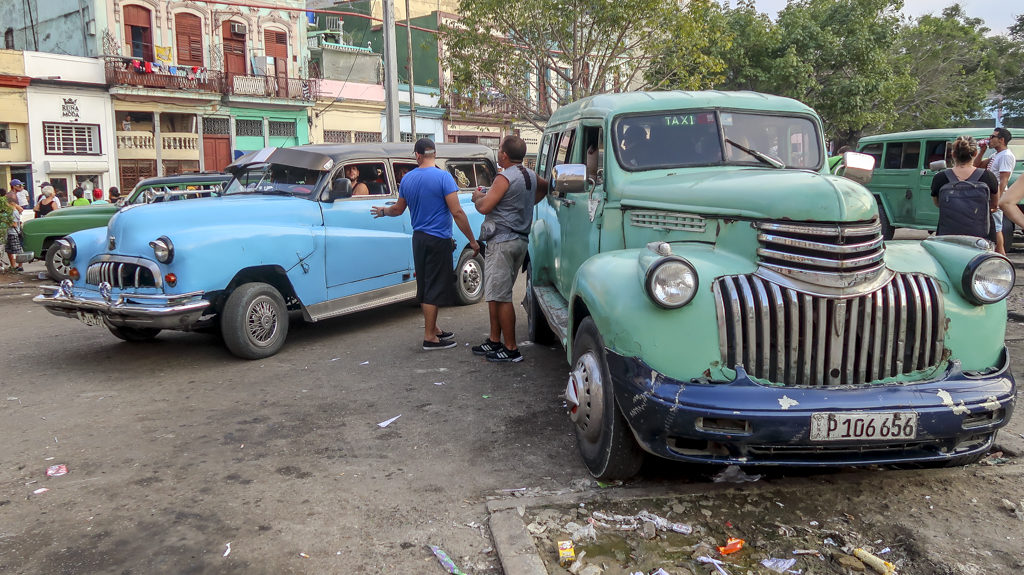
[(744, 422)]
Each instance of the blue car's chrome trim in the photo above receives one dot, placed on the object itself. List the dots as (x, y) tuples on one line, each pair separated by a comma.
[(744, 422), (178, 311)]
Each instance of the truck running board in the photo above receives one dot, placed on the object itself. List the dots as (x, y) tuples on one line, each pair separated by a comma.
[(556, 310)]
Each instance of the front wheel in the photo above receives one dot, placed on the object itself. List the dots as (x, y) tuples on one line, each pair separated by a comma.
[(56, 266), (254, 322), (887, 230), (469, 278), (132, 334), (1008, 229), (604, 439)]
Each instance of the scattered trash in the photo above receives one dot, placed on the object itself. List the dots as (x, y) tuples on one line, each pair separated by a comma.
[(365, 363), (880, 565), (537, 529), (733, 474), (581, 532), (303, 555), (438, 383), (56, 470), (807, 552), (445, 561), (995, 459), (778, 565), (633, 522), (814, 524), (228, 550), (485, 396), (40, 490), (566, 553), (335, 358), (718, 564), (732, 545), (832, 542), (607, 484), (388, 422), (660, 571), (884, 551)]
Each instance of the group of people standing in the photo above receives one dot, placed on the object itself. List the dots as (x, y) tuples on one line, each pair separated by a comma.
[(431, 194), (973, 195)]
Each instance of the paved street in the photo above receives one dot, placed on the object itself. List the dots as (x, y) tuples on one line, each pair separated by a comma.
[(175, 449)]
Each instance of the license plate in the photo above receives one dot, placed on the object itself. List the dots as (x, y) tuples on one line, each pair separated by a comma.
[(863, 426), (89, 318)]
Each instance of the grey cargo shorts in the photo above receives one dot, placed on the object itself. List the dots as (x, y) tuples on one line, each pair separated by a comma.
[(501, 266)]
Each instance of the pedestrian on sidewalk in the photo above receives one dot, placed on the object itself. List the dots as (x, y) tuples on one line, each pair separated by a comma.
[(18, 187), (508, 214), (431, 195), (49, 202), (10, 224), (80, 199)]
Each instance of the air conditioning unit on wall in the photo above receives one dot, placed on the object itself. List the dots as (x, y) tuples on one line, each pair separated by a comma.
[(238, 28)]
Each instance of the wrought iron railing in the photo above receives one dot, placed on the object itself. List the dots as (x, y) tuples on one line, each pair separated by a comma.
[(273, 87), (125, 72), (489, 105)]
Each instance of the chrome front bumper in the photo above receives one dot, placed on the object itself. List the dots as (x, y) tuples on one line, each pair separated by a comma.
[(179, 311)]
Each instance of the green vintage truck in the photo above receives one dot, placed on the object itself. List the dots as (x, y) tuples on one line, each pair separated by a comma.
[(42, 232), (903, 176), (723, 299)]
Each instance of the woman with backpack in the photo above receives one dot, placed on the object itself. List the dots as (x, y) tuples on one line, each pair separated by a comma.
[(965, 195)]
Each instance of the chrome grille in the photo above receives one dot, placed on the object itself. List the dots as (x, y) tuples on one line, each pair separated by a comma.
[(837, 255), (667, 221), (796, 339), (123, 274)]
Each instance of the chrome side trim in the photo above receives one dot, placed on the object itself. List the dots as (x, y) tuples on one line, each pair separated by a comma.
[(362, 301), (821, 246), (818, 262), (841, 230)]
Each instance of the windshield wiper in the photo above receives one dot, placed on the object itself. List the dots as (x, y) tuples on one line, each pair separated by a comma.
[(773, 162)]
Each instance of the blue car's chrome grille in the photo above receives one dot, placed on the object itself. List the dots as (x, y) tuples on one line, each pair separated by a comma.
[(796, 339), (123, 272)]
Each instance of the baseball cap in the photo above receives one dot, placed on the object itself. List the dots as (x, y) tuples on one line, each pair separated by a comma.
[(425, 146), (16, 182)]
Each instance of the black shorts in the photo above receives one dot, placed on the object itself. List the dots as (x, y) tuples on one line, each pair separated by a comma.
[(435, 278)]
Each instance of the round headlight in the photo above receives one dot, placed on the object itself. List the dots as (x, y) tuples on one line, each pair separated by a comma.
[(671, 282), (988, 278), (163, 249), (66, 248)]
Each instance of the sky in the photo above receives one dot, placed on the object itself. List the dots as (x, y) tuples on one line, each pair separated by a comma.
[(997, 14)]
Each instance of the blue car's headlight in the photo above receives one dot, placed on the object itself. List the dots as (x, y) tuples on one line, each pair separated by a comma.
[(671, 282), (988, 278), (163, 249), (66, 248)]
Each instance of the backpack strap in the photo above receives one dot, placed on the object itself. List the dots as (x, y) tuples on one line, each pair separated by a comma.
[(976, 176), (951, 176)]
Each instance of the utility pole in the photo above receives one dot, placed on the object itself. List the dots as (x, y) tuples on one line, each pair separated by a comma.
[(412, 91), (391, 74)]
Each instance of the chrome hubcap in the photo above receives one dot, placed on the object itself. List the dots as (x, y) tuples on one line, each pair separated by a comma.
[(471, 277), (585, 378), (261, 321)]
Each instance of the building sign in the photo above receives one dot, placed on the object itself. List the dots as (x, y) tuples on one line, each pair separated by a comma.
[(70, 108)]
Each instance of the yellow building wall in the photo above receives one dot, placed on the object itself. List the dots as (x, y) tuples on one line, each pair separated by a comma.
[(349, 115), (14, 105)]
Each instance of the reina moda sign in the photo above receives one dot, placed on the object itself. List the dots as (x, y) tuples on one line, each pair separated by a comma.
[(69, 109)]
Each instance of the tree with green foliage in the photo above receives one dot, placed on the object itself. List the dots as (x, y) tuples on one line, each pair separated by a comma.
[(692, 59), (537, 53), (946, 58), (1006, 58)]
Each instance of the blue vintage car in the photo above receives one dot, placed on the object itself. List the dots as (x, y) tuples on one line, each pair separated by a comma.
[(287, 234)]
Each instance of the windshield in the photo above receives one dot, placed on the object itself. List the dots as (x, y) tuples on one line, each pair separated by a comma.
[(704, 138), (275, 179)]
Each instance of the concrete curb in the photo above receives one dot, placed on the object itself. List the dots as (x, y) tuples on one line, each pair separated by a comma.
[(514, 545)]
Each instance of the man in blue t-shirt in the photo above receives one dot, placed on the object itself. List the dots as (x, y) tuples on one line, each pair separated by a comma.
[(432, 196)]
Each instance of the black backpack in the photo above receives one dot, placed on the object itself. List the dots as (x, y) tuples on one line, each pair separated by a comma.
[(964, 206)]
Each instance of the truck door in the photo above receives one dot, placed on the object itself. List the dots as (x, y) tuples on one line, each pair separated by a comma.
[(578, 232)]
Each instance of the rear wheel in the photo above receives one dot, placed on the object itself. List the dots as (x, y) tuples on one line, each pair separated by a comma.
[(887, 230), (604, 439), (132, 334), (56, 266), (254, 322), (469, 278), (538, 329)]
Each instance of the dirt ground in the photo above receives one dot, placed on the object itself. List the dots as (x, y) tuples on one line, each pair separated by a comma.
[(176, 450)]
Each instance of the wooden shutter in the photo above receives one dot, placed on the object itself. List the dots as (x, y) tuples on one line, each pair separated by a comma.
[(276, 44), (188, 36), (138, 17)]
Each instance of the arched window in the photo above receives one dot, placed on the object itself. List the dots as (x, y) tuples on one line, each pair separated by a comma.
[(188, 38), (138, 33), (9, 38)]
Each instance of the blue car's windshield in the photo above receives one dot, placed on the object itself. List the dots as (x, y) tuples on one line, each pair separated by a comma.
[(708, 137), (275, 179)]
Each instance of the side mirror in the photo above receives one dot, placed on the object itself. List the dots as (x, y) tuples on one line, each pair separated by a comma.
[(856, 166), (569, 179), (341, 188), (937, 165)]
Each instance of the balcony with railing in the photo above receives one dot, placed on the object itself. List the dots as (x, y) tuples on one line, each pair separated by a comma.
[(272, 87), (141, 145), (332, 41), (179, 146), (134, 72), (135, 145), (483, 105)]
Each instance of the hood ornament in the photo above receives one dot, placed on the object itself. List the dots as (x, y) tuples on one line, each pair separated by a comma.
[(111, 243)]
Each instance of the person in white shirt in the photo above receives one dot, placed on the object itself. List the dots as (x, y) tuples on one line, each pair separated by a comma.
[(18, 187), (1000, 164)]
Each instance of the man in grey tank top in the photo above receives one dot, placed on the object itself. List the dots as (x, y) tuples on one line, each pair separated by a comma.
[(508, 215)]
